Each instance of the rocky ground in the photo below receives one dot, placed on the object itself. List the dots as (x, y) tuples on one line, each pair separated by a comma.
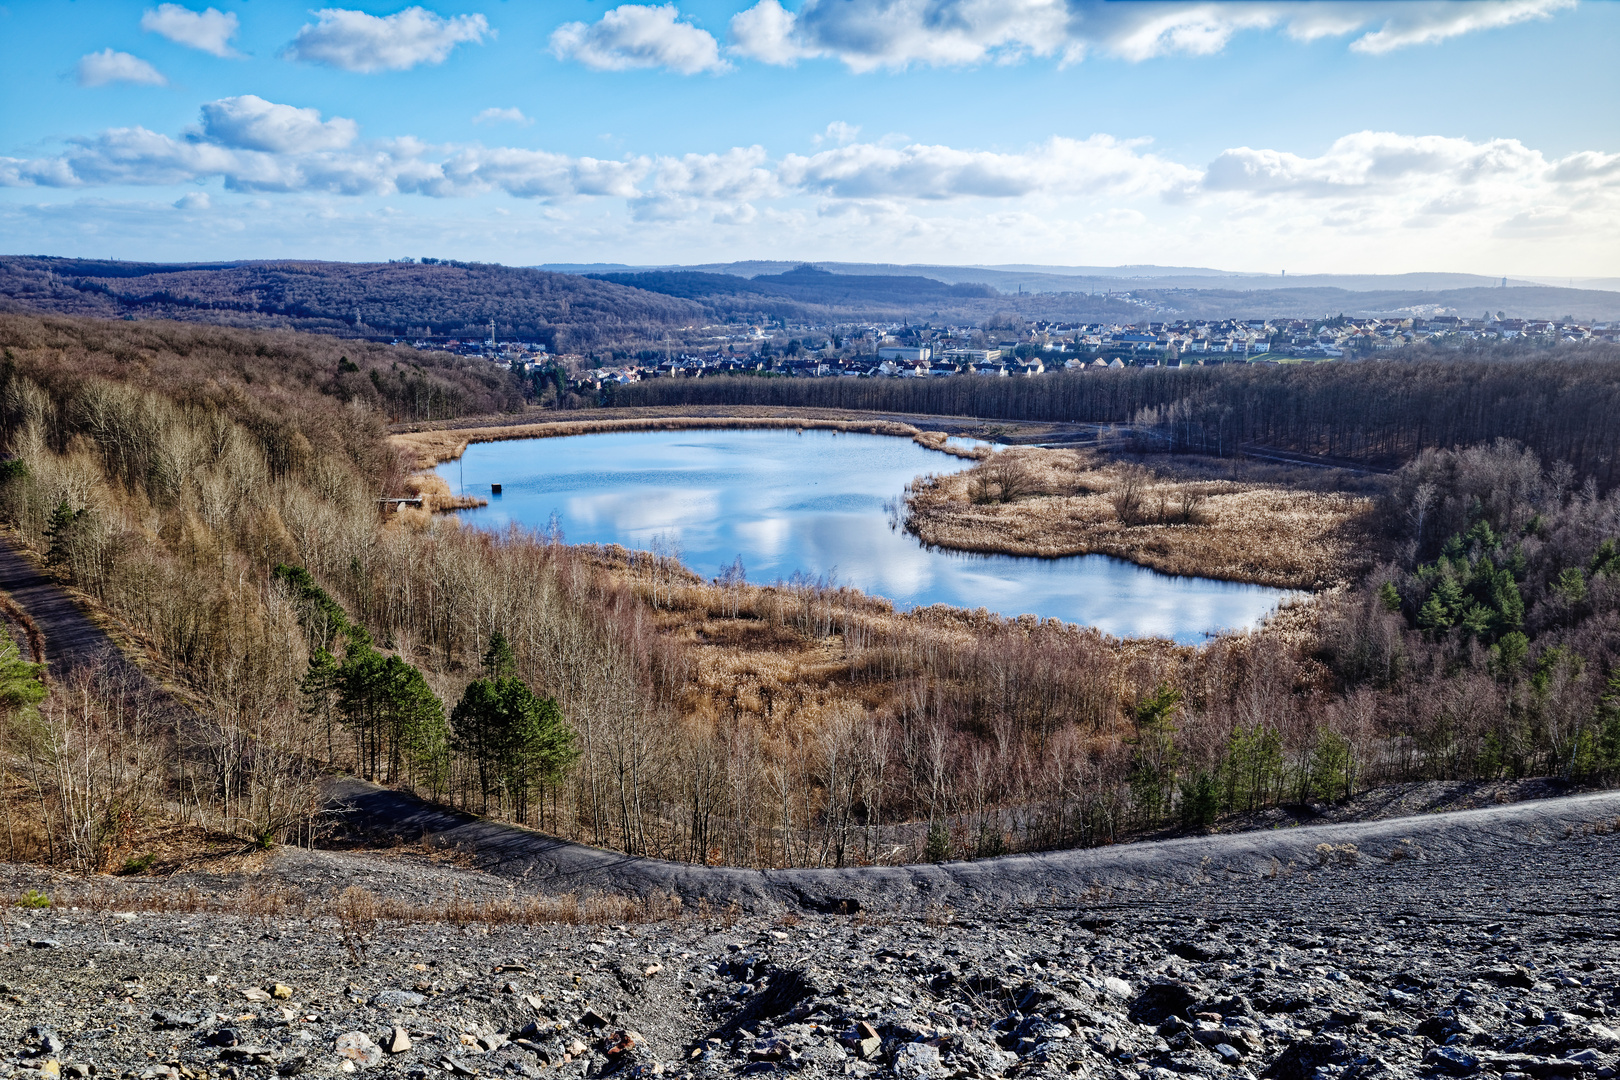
[(1491, 959)]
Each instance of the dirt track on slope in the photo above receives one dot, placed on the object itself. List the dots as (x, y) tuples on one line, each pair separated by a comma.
[(552, 865)]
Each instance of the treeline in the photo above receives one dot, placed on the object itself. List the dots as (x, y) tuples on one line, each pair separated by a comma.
[(1383, 412), (617, 698)]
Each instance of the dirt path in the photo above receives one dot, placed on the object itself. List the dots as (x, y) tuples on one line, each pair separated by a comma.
[(72, 639), (553, 865)]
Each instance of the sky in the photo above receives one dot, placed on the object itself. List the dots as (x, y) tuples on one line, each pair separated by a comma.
[(1324, 136)]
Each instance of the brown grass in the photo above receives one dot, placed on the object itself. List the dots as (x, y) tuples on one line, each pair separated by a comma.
[(425, 449), (1259, 533)]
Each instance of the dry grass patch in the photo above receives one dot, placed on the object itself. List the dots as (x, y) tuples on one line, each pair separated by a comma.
[(1052, 503)]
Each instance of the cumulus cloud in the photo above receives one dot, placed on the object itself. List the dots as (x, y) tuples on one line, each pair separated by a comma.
[(252, 123), (493, 115), (107, 66), (870, 34), (355, 41), (210, 30), (194, 200), (639, 36)]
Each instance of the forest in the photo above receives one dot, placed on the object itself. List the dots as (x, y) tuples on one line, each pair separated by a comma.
[(1375, 412), (439, 298), (213, 492)]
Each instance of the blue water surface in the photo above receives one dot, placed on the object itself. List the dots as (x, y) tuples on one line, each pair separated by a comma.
[(819, 503)]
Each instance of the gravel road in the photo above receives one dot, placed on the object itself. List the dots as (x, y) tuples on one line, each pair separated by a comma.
[(1485, 947)]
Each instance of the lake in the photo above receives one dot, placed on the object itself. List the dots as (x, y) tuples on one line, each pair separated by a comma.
[(818, 503)]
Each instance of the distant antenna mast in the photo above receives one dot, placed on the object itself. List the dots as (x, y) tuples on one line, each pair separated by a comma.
[(492, 331)]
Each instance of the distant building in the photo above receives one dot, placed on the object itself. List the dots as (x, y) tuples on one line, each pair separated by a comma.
[(970, 356), (914, 353)]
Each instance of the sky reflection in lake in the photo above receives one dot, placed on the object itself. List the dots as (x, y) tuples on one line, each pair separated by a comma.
[(815, 502)]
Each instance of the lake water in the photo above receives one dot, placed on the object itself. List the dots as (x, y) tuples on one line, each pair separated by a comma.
[(815, 502)]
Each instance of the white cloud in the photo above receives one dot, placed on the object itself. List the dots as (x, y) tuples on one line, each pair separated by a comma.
[(355, 41), (639, 36), (1425, 24), (107, 66), (194, 200), (493, 115), (1059, 166), (252, 123), (210, 30), (870, 34), (838, 133)]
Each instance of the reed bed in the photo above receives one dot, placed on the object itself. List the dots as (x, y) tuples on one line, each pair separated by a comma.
[(1067, 502)]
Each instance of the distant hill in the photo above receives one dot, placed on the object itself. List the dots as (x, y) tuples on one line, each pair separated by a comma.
[(807, 285), (1028, 278), (357, 299)]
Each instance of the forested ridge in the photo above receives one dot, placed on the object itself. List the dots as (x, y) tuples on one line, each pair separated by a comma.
[(230, 524), (565, 311), (1382, 412)]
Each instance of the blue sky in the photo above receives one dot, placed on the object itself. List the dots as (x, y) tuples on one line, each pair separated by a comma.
[(1257, 135)]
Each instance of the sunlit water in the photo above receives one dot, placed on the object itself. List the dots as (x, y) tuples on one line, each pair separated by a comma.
[(818, 503)]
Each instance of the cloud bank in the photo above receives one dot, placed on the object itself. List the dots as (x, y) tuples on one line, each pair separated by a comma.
[(869, 34), (1377, 189)]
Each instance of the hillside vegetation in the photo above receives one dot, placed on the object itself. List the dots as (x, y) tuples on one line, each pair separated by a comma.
[(566, 311), (230, 524)]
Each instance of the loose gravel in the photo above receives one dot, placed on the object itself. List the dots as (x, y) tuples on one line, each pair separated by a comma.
[(1492, 960)]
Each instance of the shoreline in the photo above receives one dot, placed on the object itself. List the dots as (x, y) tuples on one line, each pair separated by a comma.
[(436, 446)]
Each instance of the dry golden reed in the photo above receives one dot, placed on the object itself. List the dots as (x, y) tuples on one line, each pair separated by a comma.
[(1073, 504)]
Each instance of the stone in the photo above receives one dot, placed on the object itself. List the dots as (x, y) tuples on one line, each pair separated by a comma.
[(915, 1058), (253, 993), (576, 1048), (396, 999), (46, 1042), (80, 1070), (281, 992), (357, 1048), (225, 1036), (864, 1039), (1448, 1059), (1161, 1000), (51, 1070), (621, 1042), (163, 1018), (44, 943), (1227, 1053), (399, 1041)]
